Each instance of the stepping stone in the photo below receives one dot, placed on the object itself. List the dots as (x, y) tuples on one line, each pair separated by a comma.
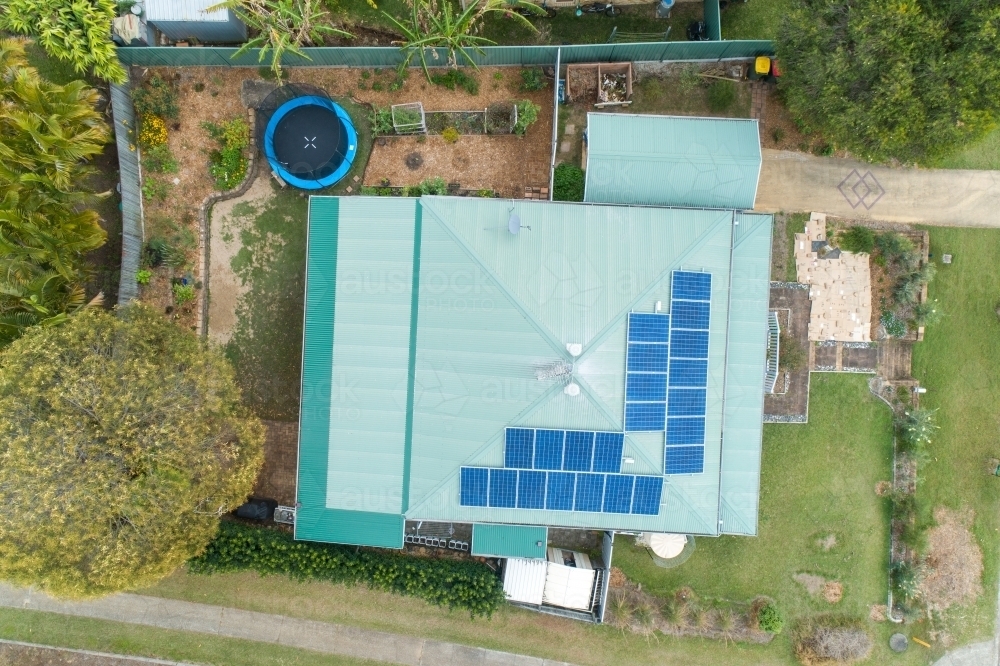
[(565, 147), (570, 129)]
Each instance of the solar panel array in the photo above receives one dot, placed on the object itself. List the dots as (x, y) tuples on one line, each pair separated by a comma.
[(687, 381), (567, 450), (646, 365), (560, 491)]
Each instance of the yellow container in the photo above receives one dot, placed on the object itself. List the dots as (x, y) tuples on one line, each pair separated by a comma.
[(762, 65)]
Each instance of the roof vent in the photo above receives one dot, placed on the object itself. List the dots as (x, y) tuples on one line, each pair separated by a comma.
[(574, 348), (514, 224), (572, 390)]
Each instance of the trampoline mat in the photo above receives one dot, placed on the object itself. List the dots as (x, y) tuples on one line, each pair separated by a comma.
[(310, 141)]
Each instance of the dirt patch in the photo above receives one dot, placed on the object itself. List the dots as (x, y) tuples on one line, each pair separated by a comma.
[(32, 655), (833, 592), (827, 543), (877, 612), (229, 219), (883, 488), (506, 164), (813, 584), (954, 561), (617, 578)]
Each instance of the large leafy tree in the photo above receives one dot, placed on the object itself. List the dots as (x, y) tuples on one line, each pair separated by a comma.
[(47, 134), (122, 441), (435, 25), (77, 31), (909, 80)]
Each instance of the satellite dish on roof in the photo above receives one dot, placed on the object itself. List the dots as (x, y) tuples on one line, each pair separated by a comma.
[(514, 224)]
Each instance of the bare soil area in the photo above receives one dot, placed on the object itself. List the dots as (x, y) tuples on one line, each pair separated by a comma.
[(954, 560), (12, 654)]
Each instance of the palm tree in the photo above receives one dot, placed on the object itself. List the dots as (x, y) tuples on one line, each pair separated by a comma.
[(282, 26), (434, 26), (34, 296)]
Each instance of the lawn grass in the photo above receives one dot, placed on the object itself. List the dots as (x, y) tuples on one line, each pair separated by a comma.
[(57, 71), (755, 19), (817, 479), (129, 639), (511, 629), (686, 96), (959, 364), (983, 154)]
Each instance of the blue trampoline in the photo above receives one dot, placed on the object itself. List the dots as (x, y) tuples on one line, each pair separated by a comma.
[(310, 142)]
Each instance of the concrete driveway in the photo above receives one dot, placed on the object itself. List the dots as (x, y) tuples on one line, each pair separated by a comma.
[(792, 181)]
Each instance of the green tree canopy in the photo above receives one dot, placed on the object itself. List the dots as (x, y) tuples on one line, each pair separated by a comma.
[(77, 31), (909, 80), (122, 440), (47, 134)]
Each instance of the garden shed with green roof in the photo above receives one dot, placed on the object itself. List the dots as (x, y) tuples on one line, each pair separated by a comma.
[(672, 161), (530, 364)]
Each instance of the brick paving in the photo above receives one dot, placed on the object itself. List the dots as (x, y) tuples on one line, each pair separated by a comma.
[(758, 99)]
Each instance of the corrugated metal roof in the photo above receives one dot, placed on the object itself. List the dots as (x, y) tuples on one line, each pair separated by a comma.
[(490, 310), (128, 167), (672, 161), (528, 541), (183, 10)]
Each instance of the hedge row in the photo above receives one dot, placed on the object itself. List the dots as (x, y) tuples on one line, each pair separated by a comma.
[(467, 585)]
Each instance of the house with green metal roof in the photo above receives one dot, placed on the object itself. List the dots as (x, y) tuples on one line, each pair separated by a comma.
[(672, 161), (521, 365)]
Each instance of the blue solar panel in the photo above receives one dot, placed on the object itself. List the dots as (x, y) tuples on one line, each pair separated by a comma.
[(689, 344), (518, 448), (646, 327), (645, 416), (579, 451), (559, 492), (690, 314), (618, 493), (646, 498), (691, 286), (589, 492), (681, 460), (530, 489), (686, 430), (549, 449), (646, 387), (644, 357), (686, 402), (608, 452), (687, 372), (475, 481), (503, 488)]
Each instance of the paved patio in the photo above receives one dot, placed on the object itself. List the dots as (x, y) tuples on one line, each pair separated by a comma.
[(840, 286)]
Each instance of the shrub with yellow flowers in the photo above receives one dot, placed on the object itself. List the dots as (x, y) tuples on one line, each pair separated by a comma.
[(153, 131)]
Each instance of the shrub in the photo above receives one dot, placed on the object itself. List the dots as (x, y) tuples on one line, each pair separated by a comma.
[(159, 159), (857, 239), (893, 325), (470, 586), (832, 640), (778, 134), (769, 619), (156, 98), (228, 165), (152, 132), (567, 184), (527, 114), (142, 276), (721, 96), (532, 79), (484, 194), (183, 293), (153, 188), (917, 427), (381, 120), (434, 186), (450, 134), (893, 245), (457, 78)]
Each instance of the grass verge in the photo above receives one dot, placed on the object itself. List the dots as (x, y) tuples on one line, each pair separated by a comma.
[(130, 639), (984, 154), (959, 363), (754, 19)]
